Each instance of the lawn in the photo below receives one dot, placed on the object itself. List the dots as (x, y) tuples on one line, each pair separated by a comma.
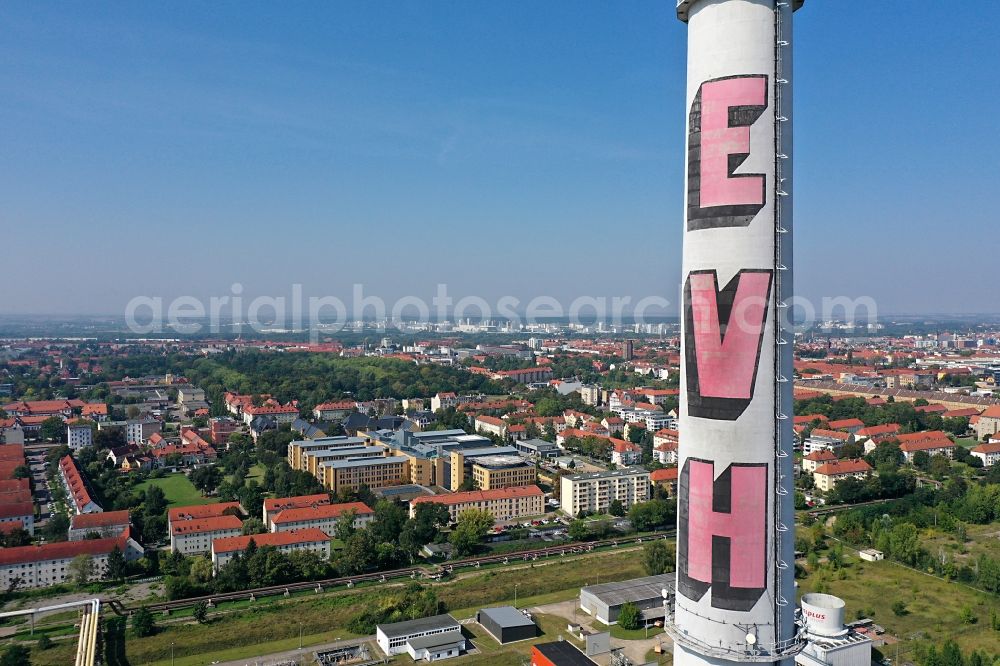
[(932, 605), (272, 626), (179, 491)]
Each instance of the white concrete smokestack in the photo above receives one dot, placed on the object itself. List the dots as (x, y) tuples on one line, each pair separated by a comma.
[(735, 587)]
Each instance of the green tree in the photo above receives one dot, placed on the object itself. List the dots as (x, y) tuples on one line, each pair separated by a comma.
[(44, 643), (206, 479), (200, 612), (899, 608), (53, 428), (616, 508), (143, 623), (116, 564), (652, 515), (16, 655), (629, 617), (344, 528), (253, 525), (81, 569), (578, 530), (471, 528), (658, 557)]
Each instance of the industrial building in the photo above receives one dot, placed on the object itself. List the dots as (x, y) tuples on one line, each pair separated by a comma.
[(427, 639), (507, 624), (594, 492), (651, 594), (828, 641), (559, 653)]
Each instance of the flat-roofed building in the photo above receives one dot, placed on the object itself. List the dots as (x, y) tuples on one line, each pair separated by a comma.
[(274, 506), (493, 472), (504, 504), (189, 537), (106, 525), (79, 435), (371, 472), (324, 517), (298, 448), (312, 461), (393, 638), (507, 624), (605, 601), (312, 539), (594, 492), (559, 653)]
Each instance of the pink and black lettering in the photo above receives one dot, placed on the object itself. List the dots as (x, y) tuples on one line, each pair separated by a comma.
[(721, 533), (725, 330), (718, 143)]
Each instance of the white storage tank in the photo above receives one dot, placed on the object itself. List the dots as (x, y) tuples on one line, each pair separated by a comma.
[(823, 614)]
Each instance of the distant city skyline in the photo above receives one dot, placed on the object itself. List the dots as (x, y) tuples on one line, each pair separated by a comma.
[(504, 150)]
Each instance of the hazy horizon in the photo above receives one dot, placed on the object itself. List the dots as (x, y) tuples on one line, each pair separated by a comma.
[(514, 149)]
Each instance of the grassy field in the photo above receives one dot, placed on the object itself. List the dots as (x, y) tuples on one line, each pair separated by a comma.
[(268, 627), (179, 491), (933, 606)]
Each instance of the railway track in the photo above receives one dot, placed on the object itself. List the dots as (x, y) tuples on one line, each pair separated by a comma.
[(432, 573)]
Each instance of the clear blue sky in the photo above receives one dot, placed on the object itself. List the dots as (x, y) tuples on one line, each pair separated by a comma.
[(518, 148)]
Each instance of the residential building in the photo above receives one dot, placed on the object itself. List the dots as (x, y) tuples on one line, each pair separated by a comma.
[(333, 411), (988, 453), (665, 477), (49, 564), (106, 524), (324, 517), (310, 539), (525, 375), (20, 512), (79, 435), (828, 475), (443, 401), (625, 454), (504, 504), (201, 511), (491, 426), (76, 489), (140, 430), (821, 438), (190, 537), (594, 492), (273, 507), (298, 449), (847, 425), (220, 428), (813, 460), (933, 443), (988, 422), (280, 413)]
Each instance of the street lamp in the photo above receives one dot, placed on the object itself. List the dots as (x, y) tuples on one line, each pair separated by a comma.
[(171, 653)]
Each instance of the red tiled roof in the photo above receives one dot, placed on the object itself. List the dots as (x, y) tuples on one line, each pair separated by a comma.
[(15, 485), (821, 455), (959, 413), (199, 511), (931, 409), (16, 509), (10, 452), (987, 448), (280, 504), (86, 521), (201, 525), (77, 487), (512, 492), (65, 550), (843, 467), (876, 430), (331, 406), (664, 474), (321, 512), (808, 418), (991, 412), (240, 543), (830, 434), (845, 423)]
